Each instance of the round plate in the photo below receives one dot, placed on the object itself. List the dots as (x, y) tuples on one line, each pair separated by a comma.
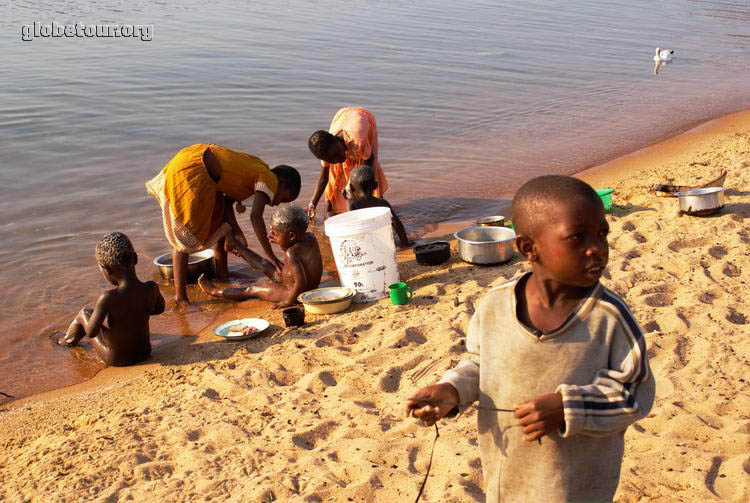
[(223, 329)]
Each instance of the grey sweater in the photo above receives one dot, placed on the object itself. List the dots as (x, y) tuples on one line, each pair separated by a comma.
[(597, 360)]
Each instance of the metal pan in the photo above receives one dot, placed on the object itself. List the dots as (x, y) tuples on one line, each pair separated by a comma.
[(701, 202)]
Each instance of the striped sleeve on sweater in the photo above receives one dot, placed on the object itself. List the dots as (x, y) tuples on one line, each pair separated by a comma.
[(620, 395)]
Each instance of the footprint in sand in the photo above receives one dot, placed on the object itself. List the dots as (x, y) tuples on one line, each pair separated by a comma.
[(651, 326), (413, 336), (632, 254), (731, 270), (473, 490), (707, 297), (628, 226), (308, 439), (659, 296), (391, 381), (717, 252), (681, 244), (413, 452), (680, 350), (211, 394), (327, 378), (640, 238), (153, 471), (736, 317)]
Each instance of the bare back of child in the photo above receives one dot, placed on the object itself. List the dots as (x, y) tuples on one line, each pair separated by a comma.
[(302, 269), (125, 339)]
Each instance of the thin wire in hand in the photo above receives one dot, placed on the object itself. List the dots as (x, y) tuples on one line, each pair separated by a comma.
[(429, 465), (443, 402)]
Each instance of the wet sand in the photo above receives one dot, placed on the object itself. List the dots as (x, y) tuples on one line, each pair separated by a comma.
[(314, 414)]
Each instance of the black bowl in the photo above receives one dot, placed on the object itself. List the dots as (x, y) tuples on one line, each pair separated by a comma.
[(294, 317), (433, 253)]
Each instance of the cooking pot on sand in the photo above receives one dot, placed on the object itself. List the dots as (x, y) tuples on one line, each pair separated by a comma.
[(701, 202)]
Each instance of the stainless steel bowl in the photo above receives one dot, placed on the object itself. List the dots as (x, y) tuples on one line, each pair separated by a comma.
[(198, 263), (485, 245), (701, 202), (496, 221)]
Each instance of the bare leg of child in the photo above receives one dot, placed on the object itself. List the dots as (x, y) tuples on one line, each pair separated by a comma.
[(77, 329), (263, 290), (104, 351), (220, 256)]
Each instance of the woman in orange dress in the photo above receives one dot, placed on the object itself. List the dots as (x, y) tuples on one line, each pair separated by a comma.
[(196, 191), (351, 141)]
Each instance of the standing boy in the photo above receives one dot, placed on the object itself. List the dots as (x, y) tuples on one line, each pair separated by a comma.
[(557, 347)]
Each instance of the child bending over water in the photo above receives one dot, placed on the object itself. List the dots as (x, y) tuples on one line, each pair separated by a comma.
[(362, 185), (126, 308), (303, 265)]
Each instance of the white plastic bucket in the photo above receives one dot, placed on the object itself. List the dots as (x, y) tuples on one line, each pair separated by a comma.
[(364, 251)]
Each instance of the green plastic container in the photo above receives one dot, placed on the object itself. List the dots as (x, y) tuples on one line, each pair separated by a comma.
[(606, 197)]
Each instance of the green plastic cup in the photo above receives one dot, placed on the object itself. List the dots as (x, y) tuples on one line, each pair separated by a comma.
[(400, 293)]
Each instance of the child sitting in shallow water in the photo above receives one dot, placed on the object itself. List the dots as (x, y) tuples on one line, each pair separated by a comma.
[(126, 308), (362, 185), (303, 265)]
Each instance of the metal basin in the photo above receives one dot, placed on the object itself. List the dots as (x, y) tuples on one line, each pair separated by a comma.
[(485, 245), (494, 221), (701, 202), (198, 263)]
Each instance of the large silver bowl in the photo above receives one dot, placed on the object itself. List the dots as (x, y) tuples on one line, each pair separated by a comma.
[(701, 202), (198, 263), (485, 245)]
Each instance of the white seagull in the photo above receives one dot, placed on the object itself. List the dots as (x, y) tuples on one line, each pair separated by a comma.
[(662, 57)]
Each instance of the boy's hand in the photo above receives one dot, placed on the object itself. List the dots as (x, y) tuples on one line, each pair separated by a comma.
[(430, 413), (540, 415)]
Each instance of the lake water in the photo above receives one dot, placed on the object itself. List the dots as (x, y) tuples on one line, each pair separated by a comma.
[(471, 98)]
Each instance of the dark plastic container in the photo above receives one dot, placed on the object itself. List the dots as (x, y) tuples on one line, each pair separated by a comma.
[(433, 253), (294, 317)]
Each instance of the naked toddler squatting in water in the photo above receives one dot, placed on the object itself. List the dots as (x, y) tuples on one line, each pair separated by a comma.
[(302, 269)]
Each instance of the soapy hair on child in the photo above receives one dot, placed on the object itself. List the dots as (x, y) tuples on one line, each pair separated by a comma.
[(290, 218)]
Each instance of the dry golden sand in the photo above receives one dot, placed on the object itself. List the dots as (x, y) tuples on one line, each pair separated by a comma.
[(316, 414)]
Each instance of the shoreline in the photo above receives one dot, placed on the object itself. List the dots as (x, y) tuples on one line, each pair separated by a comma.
[(87, 368), (600, 174), (314, 414)]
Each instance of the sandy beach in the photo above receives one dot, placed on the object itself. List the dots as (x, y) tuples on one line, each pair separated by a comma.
[(315, 414)]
